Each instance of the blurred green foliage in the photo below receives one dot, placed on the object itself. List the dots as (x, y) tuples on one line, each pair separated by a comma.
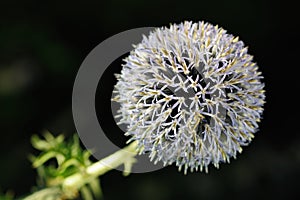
[(58, 160), (6, 196)]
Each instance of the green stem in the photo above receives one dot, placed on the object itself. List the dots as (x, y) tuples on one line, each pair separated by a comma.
[(72, 184), (47, 193), (123, 156)]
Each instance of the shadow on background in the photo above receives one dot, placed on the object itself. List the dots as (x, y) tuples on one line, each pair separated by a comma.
[(43, 44)]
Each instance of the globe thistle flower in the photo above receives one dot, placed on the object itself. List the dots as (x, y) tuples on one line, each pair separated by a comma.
[(191, 95)]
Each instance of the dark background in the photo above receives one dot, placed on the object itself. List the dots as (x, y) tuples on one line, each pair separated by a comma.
[(42, 45)]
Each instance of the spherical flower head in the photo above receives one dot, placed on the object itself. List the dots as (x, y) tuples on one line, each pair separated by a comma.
[(190, 94)]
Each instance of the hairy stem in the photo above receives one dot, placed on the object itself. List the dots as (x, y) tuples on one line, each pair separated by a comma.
[(123, 156), (71, 185)]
